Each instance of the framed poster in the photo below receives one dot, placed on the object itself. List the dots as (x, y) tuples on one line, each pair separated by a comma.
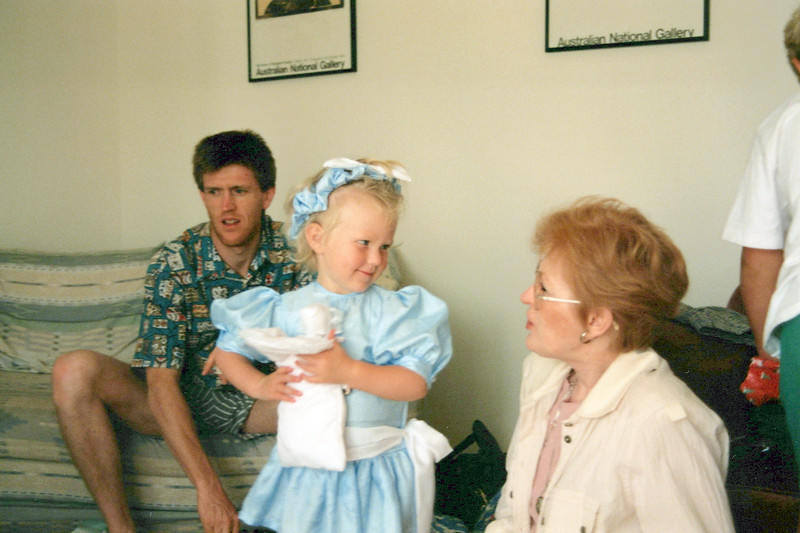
[(292, 38), (580, 24)]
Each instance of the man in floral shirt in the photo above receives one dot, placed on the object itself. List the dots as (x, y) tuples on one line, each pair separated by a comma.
[(164, 392), (176, 330)]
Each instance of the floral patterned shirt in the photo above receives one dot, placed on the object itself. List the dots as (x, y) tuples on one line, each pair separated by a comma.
[(185, 276)]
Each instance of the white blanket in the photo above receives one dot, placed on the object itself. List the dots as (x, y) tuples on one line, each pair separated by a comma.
[(310, 429)]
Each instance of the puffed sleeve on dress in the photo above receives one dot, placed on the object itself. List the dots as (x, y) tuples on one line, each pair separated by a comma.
[(253, 308), (413, 332)]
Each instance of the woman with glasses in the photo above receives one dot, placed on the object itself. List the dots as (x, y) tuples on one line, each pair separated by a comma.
[(608, 439)]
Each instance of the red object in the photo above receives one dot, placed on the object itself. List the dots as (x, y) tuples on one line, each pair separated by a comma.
[(762, 383)]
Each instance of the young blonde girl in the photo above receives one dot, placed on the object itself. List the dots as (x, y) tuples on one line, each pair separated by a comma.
[(391, 346)]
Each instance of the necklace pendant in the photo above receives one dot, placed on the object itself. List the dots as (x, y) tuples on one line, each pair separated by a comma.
[(539, 504)]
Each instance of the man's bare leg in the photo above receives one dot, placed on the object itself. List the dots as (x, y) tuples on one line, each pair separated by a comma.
[(85, 383), (263, 418)]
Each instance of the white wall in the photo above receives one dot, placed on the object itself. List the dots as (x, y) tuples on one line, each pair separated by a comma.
[(101, 103)]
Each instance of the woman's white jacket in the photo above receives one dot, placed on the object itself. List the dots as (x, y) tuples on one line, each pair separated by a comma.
[(641, 454)]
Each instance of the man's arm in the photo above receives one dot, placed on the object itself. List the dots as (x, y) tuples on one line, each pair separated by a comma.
[(759, 275), (170, 409)]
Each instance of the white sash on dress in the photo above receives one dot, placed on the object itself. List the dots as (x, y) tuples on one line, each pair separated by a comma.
[(425, 446)]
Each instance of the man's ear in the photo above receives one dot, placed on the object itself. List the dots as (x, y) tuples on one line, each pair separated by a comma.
[(269, 195), (314, 236)]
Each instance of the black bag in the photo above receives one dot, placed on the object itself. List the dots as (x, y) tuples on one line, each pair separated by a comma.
[(465, 482)]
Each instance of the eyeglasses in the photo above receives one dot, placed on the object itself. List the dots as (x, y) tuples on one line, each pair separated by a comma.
[(553, 299), (537, 289)]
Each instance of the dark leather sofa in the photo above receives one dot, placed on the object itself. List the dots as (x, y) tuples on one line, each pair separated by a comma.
[(762, 478)]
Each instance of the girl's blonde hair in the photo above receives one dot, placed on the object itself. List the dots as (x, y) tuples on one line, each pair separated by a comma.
[(383, 191)]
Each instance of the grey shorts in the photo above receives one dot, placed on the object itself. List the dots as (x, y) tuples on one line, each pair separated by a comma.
[(214, 410), (219, 410)]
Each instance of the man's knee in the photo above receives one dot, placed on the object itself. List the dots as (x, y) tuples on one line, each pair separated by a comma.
[(72, 366), (74, 374)]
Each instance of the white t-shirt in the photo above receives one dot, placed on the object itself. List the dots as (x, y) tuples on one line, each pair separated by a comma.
[(765, 213)]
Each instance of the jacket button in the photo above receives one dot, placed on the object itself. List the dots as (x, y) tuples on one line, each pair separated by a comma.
[(567, 439), (511, 494)]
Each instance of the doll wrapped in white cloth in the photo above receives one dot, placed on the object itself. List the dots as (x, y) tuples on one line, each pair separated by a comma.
[(311, 429)]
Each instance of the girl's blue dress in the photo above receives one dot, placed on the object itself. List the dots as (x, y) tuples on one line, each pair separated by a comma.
[(409, 328)]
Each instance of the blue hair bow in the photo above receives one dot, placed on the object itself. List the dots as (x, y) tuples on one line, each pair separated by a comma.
[(341, 171)]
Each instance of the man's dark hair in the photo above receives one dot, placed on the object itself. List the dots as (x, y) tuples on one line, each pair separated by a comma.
[(245, 148)]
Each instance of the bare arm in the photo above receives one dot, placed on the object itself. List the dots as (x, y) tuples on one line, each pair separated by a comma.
[(759, 275), (391, 382), (238, 370), (170, 409)]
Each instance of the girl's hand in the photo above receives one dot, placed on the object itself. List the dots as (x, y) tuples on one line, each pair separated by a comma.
[(275, 386), (387, 381), (331, 366), (210, 367)]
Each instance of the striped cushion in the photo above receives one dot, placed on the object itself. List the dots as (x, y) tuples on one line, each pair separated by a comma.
[(54, 303), (36, 469)]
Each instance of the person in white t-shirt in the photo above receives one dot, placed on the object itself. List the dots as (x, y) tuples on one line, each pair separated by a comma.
[(765, 221)]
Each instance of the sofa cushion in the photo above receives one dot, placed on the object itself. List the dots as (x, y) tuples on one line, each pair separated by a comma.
[(53, 303), (35, 466)]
